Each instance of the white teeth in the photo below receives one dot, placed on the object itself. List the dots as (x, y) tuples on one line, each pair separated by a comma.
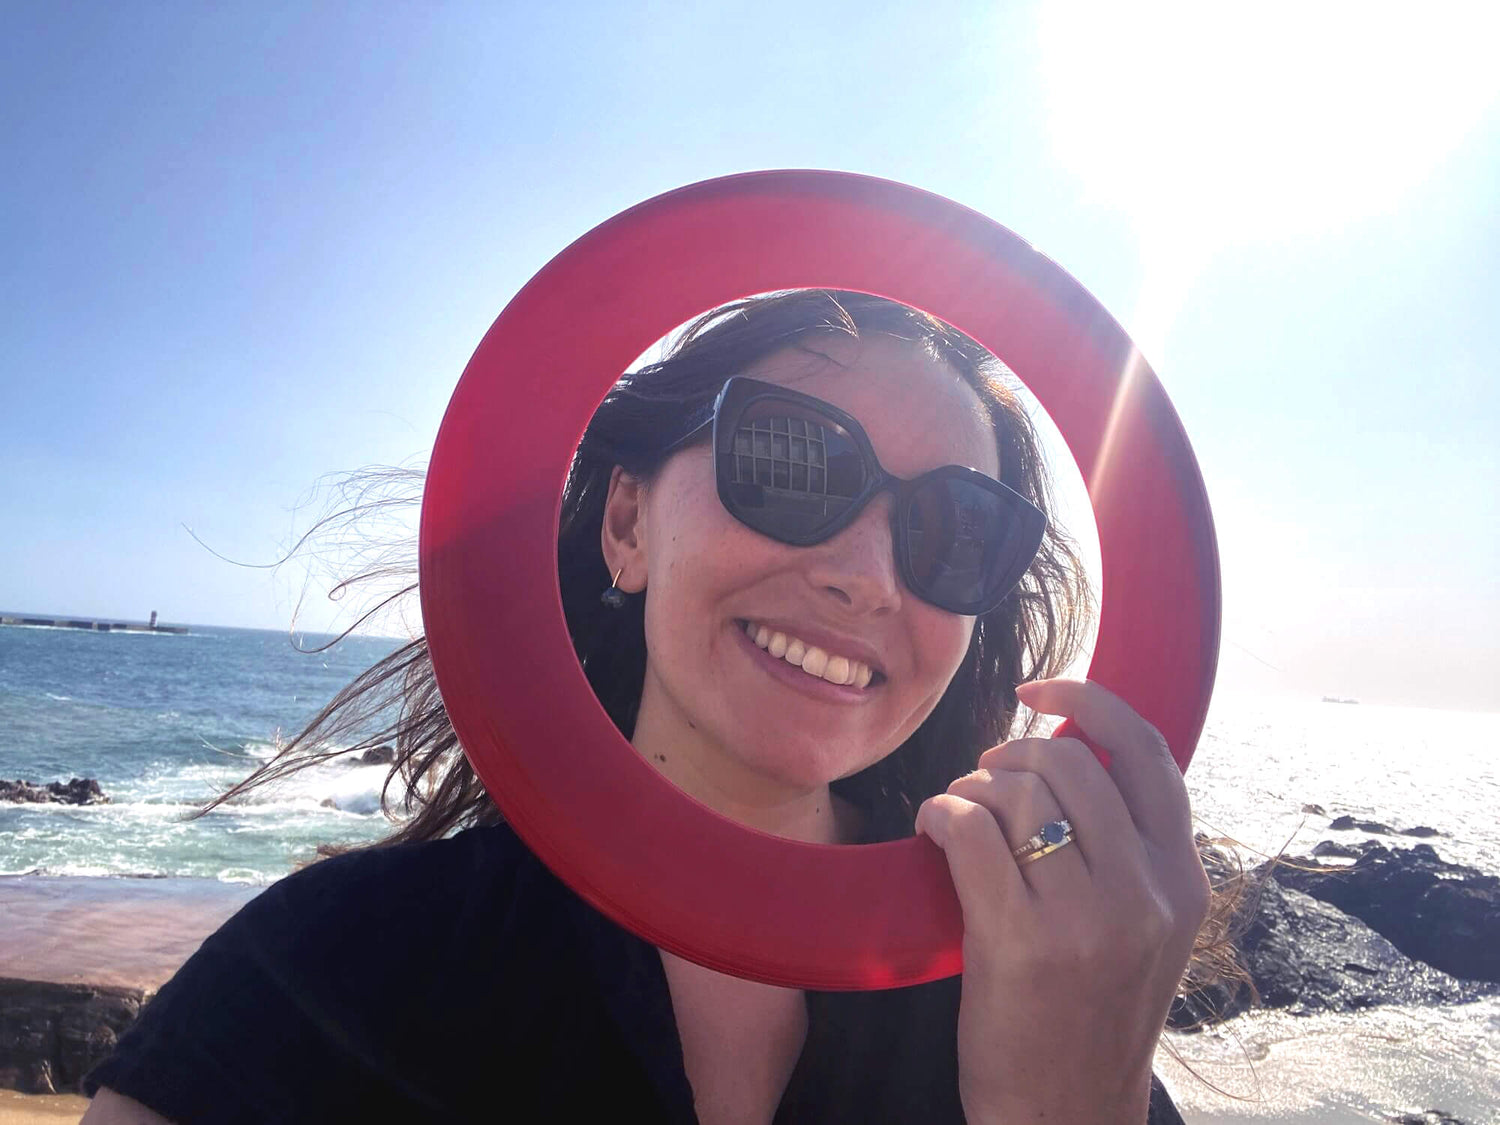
[(837, 671), (811, 659)]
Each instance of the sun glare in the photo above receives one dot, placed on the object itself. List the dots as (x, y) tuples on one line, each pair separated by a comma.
[(1217, 124)]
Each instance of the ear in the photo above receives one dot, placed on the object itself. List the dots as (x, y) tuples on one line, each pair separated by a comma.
[(623, 533)]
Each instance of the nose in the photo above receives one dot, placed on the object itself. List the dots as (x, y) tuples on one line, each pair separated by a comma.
[(857, 567)]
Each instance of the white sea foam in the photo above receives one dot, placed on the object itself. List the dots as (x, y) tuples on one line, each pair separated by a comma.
[(244, 875), (98, 632), (1341, 1068), (68, 869)]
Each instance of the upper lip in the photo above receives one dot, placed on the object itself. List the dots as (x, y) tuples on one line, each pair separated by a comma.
[(829, 640)]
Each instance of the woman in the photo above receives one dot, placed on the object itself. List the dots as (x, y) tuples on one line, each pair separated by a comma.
[(813, 649)]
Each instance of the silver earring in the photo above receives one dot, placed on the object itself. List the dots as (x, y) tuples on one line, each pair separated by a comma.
[(614, 597)]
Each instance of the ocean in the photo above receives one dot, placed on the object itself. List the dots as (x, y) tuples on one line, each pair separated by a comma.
[(163, 722)]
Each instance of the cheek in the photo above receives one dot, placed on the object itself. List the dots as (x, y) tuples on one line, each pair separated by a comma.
[(697, 554), (941, 643), (694, 547), (680, 520), (945, 642)]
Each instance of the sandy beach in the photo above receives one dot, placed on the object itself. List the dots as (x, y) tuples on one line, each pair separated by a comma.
[(40, 1109)]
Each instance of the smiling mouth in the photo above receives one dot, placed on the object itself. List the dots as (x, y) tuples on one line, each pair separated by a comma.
[(816, 662)]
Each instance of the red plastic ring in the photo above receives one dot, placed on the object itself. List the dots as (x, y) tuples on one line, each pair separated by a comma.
[(651, 858)]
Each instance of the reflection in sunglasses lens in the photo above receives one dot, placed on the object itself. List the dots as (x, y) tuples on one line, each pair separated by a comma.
[(792, 473), (792, 470), (954, 534)]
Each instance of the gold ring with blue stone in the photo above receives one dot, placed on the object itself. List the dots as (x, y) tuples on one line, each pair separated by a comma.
[(1049, 838)]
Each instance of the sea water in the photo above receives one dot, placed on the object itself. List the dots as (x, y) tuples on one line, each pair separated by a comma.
[(164, 722)]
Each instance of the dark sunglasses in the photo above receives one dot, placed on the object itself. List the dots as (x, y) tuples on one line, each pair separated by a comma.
[(800, 470)]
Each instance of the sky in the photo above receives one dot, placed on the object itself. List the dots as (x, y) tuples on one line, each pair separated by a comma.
[(247, 246)]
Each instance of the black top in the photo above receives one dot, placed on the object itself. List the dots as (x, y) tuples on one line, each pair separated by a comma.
[(458, 978)]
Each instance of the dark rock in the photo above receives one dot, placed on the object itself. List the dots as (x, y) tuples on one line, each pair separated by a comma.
[(79, 791), (1307, 956), (1430, 1117), (37, 1079), (381, 755), (1316, 810), (1333, 849), (51, 1035), (88, 1030), (1440, 913), (1348, 823)]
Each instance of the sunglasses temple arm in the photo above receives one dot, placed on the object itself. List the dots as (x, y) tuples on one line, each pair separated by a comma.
[(691, 436)]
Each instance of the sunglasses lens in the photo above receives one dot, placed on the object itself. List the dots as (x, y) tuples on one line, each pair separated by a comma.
[(794, 473), (966, 545), (791, 472)]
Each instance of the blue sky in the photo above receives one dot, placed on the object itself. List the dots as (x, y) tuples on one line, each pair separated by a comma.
[(248, 245)]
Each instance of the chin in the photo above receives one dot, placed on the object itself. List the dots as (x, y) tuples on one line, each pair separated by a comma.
[(806, 773)]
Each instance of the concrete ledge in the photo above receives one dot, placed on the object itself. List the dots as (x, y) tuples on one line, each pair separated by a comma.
[(80, 957)]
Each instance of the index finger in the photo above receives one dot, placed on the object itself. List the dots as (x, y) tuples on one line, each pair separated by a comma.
[(1141, 765)]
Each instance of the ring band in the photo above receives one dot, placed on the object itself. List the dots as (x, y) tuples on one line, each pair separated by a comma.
[(1032, 857), (1053, 835)]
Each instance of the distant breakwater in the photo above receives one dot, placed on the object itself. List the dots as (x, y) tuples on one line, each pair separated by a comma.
[(92, 625)]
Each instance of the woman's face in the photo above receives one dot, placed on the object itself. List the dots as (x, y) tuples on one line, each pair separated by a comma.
[(721, 715)]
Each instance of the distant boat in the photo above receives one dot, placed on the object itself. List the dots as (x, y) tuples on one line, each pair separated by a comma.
[(1336, 699)]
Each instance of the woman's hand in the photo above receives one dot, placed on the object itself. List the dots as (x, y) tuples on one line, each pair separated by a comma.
[(1070, 961)]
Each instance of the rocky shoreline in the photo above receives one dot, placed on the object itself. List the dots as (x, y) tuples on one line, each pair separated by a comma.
[(1379, 925)]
